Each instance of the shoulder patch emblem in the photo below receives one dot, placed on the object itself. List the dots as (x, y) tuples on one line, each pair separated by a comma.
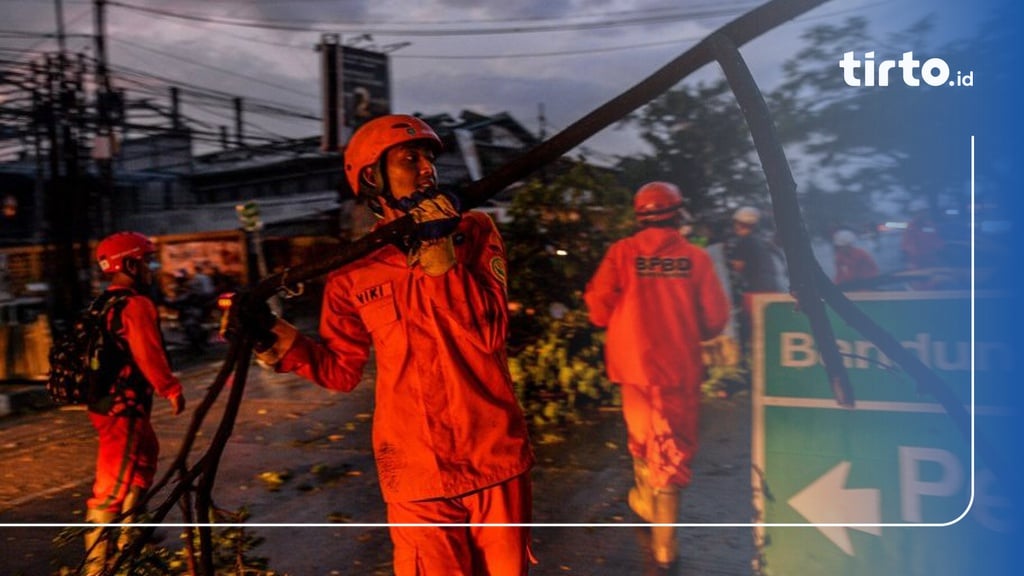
[(498, 270)]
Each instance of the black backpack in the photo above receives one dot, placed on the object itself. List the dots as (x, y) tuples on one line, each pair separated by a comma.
[(85, 358)]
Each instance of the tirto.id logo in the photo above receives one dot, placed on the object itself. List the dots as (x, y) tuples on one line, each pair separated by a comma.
[(933, 71)]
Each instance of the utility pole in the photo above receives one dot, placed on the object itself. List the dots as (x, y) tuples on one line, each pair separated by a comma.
[(175, 109), (59, 190), (330, 91), (59, 9), (542, 121), (239, 134), (104, 145), (41, 227), (100, 44)]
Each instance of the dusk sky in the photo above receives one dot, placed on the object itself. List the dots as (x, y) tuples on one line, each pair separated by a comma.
[(569, 55)]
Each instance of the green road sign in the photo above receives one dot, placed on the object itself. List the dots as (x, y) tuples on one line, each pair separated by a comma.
[(886, 487)]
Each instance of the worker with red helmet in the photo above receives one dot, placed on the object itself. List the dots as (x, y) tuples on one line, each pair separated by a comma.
[(128, 446), (449, 436), (659, 297)]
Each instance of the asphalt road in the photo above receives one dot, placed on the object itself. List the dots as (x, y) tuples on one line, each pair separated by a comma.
[(301, 455)]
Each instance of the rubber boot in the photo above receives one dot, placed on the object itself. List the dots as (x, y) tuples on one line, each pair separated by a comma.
[(641, 497), (663, 538), (128, 533), (96, 542)]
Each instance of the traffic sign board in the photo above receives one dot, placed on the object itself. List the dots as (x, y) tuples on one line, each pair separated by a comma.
[(884, 487)]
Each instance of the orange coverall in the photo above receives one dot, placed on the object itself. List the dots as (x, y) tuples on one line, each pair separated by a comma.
[(446, 423), (128, 446), (853, 263), (659, 297)]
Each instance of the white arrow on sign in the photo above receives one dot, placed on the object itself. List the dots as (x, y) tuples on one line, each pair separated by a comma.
[(828, 501)]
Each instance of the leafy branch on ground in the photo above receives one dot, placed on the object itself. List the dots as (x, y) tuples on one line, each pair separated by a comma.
[(233, 551)]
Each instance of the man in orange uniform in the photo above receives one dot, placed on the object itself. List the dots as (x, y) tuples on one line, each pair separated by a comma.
[(449, 436), (659, 297), (120, 412)]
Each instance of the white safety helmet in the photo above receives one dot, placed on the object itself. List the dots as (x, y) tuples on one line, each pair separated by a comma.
[(843, 238), (747, 215)]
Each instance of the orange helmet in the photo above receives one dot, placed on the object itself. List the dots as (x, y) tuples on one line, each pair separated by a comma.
[(657, 201), (372, 139), (112, 250)]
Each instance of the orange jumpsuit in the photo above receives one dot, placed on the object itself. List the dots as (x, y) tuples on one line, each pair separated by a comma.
[(853, 263), (446, 424), (128, 446), (659, 297)]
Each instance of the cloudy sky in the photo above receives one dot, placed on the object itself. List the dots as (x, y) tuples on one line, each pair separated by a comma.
[(447, 55)]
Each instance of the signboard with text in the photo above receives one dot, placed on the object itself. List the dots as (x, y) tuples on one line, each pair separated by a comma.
[(366, 85), (886, 487)]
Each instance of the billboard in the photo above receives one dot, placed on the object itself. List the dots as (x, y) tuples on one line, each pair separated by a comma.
[(365, 85), (355, 87)]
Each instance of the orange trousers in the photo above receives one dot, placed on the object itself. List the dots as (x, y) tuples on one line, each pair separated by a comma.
[(662, 427), (465, 550), (126, 458)]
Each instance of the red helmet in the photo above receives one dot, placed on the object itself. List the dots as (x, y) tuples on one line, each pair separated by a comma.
[(112, 250), (657, 201), (372, 139)]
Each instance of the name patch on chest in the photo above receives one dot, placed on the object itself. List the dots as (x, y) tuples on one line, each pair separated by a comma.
[(374, 293), (658, 266)]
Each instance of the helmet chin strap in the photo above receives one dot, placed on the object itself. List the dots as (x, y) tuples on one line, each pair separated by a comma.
[(404, 205), (409, 202), (380, 190)]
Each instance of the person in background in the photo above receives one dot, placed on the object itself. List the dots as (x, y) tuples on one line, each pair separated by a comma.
[(128, 447), (659, 297), (752, 269), (449, 436), (852, 263), (201, 284), (922, 247), (750, 256)]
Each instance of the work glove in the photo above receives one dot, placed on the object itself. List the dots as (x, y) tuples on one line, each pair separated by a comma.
[(242, 315), (436, 216)]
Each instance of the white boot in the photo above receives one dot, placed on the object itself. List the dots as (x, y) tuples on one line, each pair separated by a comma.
[(663, 538), (97, 542), (131, 500), (641, 497)]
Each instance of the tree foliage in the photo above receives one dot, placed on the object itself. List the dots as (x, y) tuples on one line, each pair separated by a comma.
[(559, 227), (558, 230), (864, 146), (851, 149), (699, 141)]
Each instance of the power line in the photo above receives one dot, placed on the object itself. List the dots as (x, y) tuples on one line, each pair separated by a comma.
[(178, 22), (509, 19), (579, 52), (215, 68), (32, 34), (125, 73), (72, 21), (320, 26)]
